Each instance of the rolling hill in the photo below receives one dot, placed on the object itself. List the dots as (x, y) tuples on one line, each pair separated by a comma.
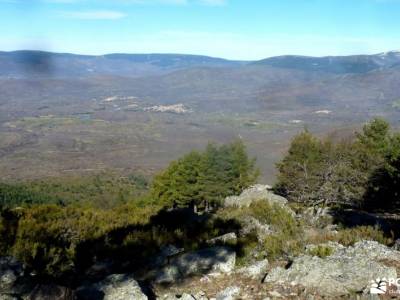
[(62, 113)]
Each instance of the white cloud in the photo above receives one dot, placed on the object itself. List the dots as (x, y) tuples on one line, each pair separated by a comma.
[(94, 15)]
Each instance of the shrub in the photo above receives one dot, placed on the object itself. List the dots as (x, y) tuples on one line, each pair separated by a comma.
[(321, 251), (286, 238), (48, 238), (350, 236)]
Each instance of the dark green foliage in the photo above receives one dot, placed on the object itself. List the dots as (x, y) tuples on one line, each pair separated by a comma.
[(20, 194), (205, 178), (319, 172), (59, 241), (104, 190), (356, 173), (47, 226), (384, 186), (285, 239), (47, 237)]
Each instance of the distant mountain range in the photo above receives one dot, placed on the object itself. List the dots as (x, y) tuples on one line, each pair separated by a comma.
[(336, 64), (25, 63), (69, 112)]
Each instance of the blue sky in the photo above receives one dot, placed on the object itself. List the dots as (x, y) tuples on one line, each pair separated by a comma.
[(238, 29)]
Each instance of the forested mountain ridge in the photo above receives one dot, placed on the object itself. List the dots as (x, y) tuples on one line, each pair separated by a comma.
[(64, 65)]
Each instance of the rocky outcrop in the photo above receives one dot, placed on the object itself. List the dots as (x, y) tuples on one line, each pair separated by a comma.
[(114, 287), (215, 259), (251, 224), (230, 293), (396, 245), (184, 296), (255, 193), (223, 239), (10, 272), (51, 292), (346, 270), (256, 270)]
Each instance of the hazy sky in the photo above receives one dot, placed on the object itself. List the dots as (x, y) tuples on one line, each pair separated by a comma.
[(240, 29)]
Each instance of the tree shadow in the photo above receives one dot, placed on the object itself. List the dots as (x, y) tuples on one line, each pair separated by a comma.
[(383, 192), (137, 249)]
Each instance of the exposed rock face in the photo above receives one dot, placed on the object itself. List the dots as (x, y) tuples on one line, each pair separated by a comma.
[(216, 259), (230, 293), (223, 239), (251, 224), (51, 292), (255, 193), (256, 270), (99, 270), (396, 245), (346, 270), (114, 287), (165, 255), (184, 296), (10, 271)]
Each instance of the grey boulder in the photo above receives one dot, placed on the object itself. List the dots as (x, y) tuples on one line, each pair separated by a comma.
[(215, 259), (113, 287), (10, 272), (255, 193), (346, 270), (256, 270)]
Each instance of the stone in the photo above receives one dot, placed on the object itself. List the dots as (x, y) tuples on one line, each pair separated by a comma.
[(214, 259), (51, 292), (230, 293), (113, 287), (187, 297), (184, 296), (200, 296), (396, 245), (99, 270), (347, 270), (168, 274), (165, 255), (223, 239), (10, 271), (251, 224), (7, 297), (275, 294), (256, 270), (255, 193)]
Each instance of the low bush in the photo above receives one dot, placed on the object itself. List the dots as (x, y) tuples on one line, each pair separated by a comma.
[(321, 251), (286, 238), (350, 236)]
